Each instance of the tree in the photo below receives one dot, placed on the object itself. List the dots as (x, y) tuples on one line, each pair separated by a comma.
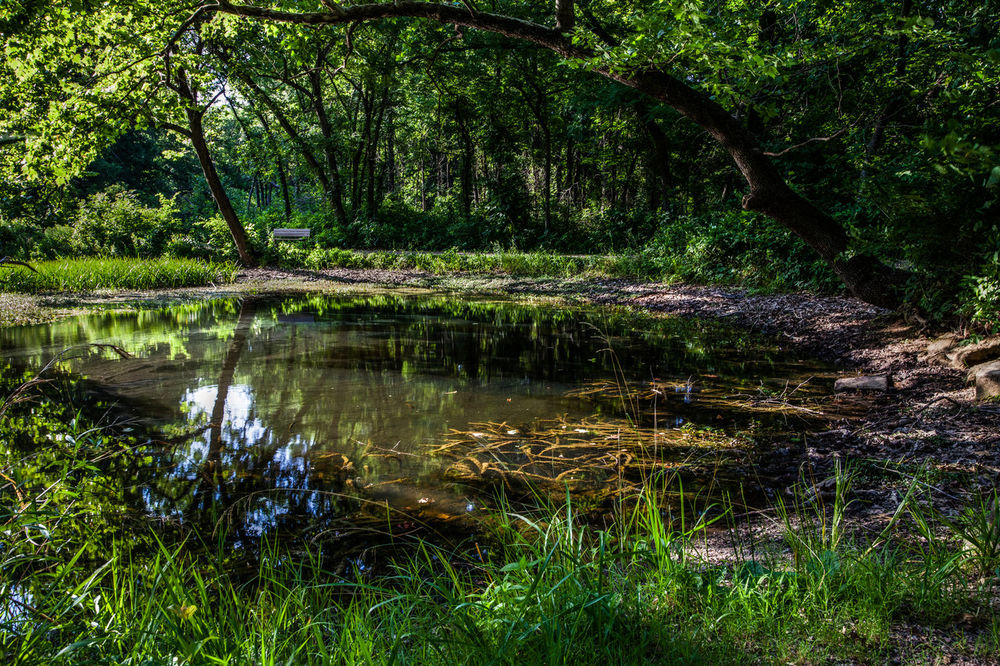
[(77, 78), (864, 276), (786, 92)]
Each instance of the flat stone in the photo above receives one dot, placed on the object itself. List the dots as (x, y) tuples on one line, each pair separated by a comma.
[(942, 344), (981, 352), (988, 385), (872, 383), (938, 349), (983, 368)]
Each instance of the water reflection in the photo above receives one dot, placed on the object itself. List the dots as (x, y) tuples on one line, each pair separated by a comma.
[(310, 415)]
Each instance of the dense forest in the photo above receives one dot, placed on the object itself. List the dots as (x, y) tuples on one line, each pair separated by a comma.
[(776, 144), (620, 414)]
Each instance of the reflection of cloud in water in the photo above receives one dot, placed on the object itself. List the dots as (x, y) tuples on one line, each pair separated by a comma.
[(239, 403), (241, 428), (243, 435)]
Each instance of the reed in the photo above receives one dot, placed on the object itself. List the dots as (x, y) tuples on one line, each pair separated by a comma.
[(78, 275)]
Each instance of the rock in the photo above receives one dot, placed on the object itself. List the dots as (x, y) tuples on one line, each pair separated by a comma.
[(942, 344), (874, 383), (977, 354), (939, 348), (988, 385), (973, 374)]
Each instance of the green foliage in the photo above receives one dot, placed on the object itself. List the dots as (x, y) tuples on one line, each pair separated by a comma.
[(17, 237), (114, 223), (882, 119), (676, 254), (980, 295), (981, 302), (91, 274), (737, 248)]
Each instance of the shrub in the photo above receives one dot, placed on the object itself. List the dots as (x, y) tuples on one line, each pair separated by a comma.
[(114, 222), (981, 300), (16, 238), (57, 241), (185, 246)]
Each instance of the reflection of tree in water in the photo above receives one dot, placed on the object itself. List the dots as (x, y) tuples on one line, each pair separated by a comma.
[(243, 481), (303, 410)]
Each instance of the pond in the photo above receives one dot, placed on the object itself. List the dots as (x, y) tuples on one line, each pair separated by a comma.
[(317, 416)]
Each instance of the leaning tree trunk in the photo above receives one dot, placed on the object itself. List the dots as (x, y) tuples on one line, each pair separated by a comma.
[(195, 133), (866, 277), (194, 118)]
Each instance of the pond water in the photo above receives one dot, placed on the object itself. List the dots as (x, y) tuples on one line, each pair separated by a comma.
[(317, 415)]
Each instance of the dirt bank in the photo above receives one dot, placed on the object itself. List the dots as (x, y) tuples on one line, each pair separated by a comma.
[(928, 418)]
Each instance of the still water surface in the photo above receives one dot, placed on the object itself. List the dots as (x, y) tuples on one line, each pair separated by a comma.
[(304, 413)]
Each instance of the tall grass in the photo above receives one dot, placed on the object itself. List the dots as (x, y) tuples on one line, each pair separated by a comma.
[(548, 587), (90, 274), (552, 590), (518, 264)]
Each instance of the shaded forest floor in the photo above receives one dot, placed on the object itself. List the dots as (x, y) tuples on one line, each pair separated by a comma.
[(927, 432)]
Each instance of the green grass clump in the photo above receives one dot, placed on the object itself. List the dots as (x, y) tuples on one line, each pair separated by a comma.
[(91, 274), (81, 583), (517, 264)]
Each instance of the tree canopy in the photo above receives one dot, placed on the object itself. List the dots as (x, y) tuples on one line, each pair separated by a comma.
[(867, 129)]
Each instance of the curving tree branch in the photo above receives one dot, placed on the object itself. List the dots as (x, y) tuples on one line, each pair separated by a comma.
[(7, 261), (769, 193)]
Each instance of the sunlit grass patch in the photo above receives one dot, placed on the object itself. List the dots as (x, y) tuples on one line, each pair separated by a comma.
[(510, 262), (90, 274)]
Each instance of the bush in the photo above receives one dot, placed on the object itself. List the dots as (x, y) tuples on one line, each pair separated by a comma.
[(57, 241), (737, 248), (187, 247), (115, 223), (16, 238), (981, 300)]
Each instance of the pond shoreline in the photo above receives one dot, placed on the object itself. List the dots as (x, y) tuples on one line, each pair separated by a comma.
[(925, 402), (927, 425)]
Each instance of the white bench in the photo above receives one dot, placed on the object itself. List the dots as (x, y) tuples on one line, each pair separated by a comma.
[(290, 234)]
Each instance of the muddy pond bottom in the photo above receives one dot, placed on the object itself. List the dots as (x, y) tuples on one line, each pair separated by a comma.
[(316, 416)]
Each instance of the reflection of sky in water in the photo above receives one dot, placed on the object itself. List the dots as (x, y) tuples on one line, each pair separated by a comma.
[(326, 393), (241, 429), (14, 609), (236, 416)]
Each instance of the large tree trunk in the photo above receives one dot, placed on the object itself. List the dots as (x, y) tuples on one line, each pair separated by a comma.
[(659, 158), (468, 159), (195, 111), (194, 118), (865, 277)]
